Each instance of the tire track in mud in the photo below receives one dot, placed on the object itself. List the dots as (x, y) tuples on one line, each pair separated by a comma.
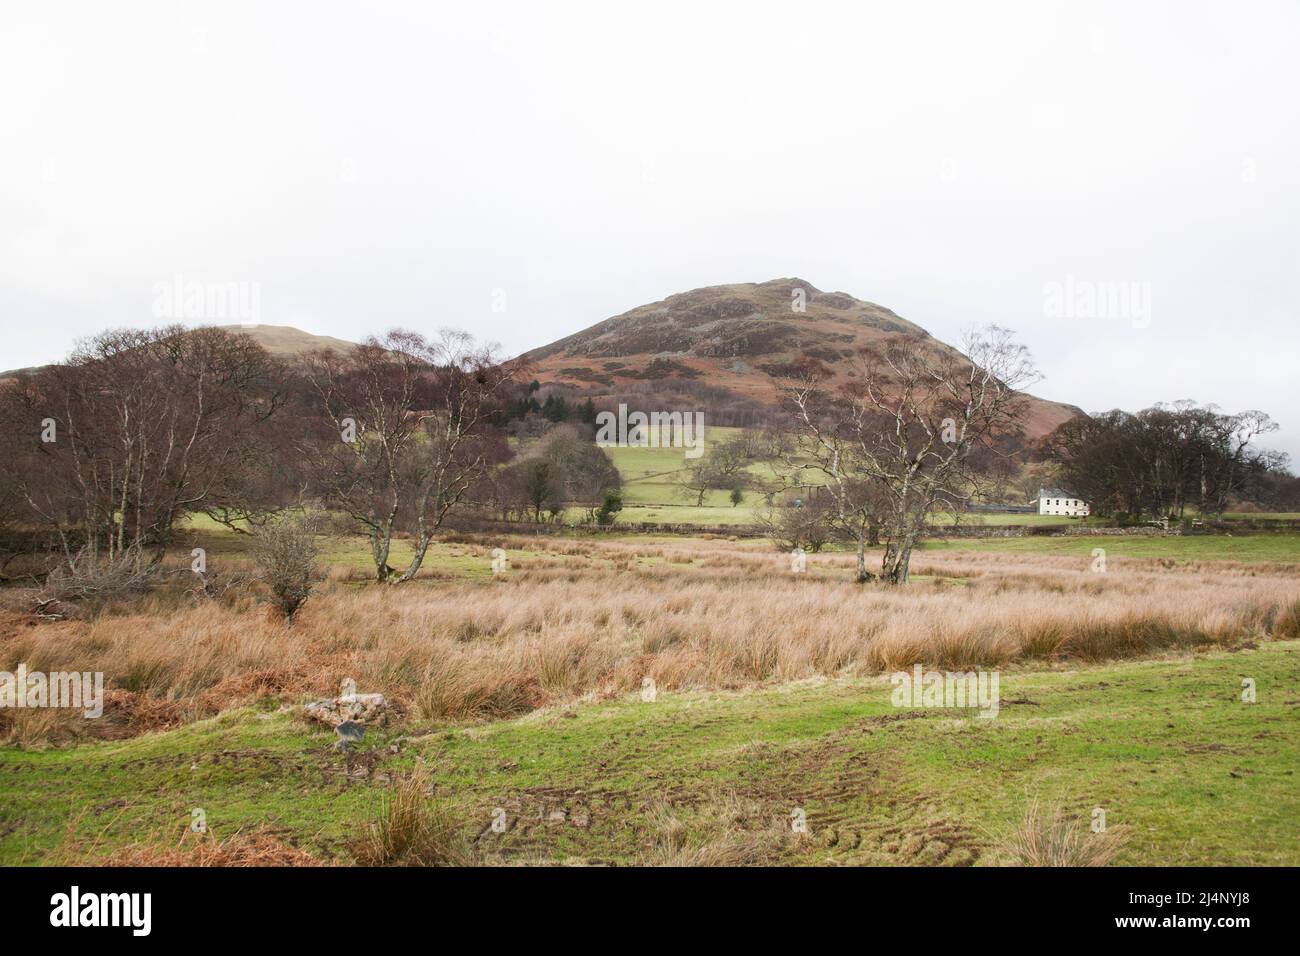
[(857, 810)]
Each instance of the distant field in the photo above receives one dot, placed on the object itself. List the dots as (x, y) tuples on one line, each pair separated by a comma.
[(1218, 547), (651, 493), (447, 559), (711, 514), (985, 520)]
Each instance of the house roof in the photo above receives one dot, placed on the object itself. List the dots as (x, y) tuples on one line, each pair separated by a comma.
[(1057, 493)]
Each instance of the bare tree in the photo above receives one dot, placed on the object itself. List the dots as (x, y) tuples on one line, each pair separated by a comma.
[(697, 480), (407, 433), (134, 432), (1163, 459), (807, 525), (564, 468), (723, 468), (12, 494), (894, 444)]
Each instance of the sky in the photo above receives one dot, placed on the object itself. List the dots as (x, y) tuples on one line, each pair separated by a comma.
[(1117, 182)]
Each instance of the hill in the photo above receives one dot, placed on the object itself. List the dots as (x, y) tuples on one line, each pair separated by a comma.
[(285, 341), (736, 340), (723, 348)]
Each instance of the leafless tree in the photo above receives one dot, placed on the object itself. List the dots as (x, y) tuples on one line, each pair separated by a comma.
[(407, 432), (12, 494), (1164, 459), (807, 525), (893, 444), (723, 468), (135, 431)]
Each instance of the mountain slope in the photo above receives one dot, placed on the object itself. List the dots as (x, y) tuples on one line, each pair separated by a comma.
[(739, 338), (285, 341), (282, 341)]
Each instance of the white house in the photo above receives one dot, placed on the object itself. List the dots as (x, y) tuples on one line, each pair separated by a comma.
[(1054, 501)]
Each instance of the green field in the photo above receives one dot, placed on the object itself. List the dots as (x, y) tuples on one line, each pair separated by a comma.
[(446, 559), (1283, 548), (651, 493), (1165, 747)]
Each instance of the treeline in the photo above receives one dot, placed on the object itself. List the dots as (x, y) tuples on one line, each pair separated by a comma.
[(554, 407), (109, 452), (1170, 459)]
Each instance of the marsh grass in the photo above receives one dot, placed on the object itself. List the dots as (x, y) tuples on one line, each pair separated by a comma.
[(411, 828), (734, 617)]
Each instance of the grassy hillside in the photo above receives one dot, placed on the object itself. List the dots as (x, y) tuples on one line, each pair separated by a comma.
[(652, 495), (740, 341)]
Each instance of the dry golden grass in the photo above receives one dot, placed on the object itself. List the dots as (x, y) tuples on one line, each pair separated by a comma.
[(411, 828), (37, 728), (595, 618), (84, 844), (1049, 837), (720, 837), (245, 849)]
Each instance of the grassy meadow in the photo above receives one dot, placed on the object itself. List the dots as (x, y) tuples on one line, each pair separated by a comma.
[(520, 699), (623, 698), (1190, 773)]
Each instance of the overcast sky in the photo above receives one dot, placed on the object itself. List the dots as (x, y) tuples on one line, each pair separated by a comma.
[(376, 164)]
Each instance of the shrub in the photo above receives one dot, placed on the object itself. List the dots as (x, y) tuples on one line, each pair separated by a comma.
[(90, 581), (285, 552), (609, 509), (807, 526)]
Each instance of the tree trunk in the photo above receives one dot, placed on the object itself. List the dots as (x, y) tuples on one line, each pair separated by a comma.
[(421, 547), (380, 543), (898, 558)]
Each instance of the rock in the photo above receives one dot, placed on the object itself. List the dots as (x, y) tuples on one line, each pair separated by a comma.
[(350, 731), (347, 708)]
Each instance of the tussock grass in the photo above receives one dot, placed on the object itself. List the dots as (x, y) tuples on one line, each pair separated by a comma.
[(493, 648), (411, 828), (38, 728), (1050, 837)]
